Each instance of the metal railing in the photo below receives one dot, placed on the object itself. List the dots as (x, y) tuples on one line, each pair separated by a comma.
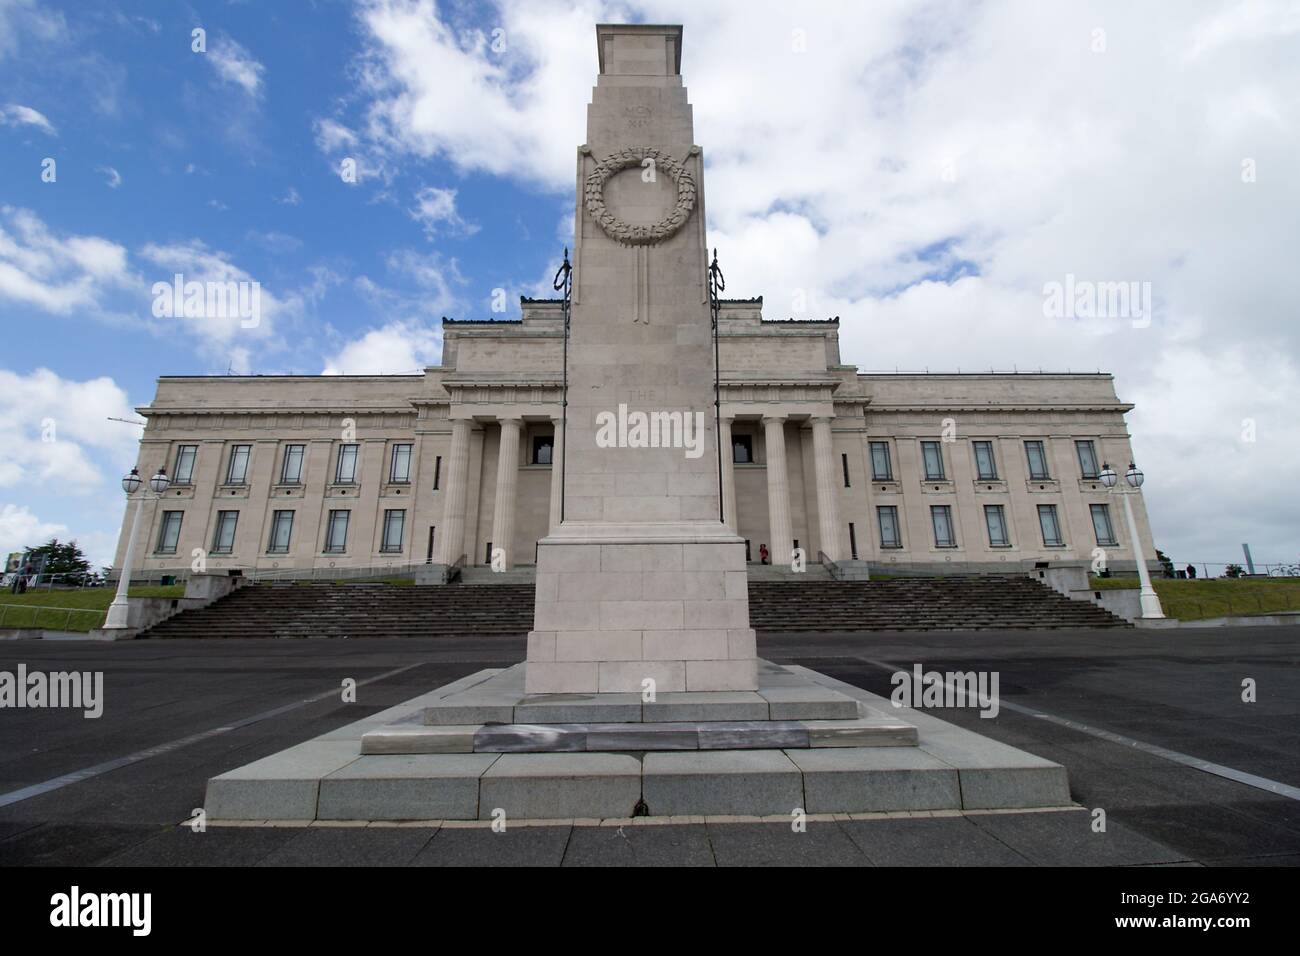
[(37, 608), (372, 573)]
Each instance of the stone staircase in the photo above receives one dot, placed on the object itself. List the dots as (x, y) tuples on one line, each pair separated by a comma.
[(809, 604), (963, 603), (356, 610)]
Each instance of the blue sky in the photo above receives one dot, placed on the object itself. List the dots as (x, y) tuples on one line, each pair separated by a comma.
[(921, 169)]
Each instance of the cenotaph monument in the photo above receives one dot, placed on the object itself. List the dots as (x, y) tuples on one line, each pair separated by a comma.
[(641, 581)]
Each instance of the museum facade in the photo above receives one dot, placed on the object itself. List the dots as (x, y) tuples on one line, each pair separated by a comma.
[(961, 472)]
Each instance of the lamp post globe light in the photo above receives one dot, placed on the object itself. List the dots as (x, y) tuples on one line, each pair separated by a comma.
[(1148, 598), (118, 611)]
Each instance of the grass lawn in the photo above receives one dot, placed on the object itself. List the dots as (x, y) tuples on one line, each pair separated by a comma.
[(1219, 597), (42, 608)]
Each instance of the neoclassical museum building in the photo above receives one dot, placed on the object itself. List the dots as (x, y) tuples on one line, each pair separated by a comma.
[(960, 472)]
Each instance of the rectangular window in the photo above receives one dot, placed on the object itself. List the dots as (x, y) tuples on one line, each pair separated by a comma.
[(881, 467), (890, 535), (437, 472), (1051, 525), (742, 449), (932, 458), (1037, 461), (399, 471), (223, 541), (237, 469), (853, 542), (941, 518), (1087, 459), (183, 473), (543, 449), (986, 467), (346, 471), (281, 530), (844, 460), (170, 532), (1102, 526), (996, 521), (336, 532), (394, 525), (291, 470)]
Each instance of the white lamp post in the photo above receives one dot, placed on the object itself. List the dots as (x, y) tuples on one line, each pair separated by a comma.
[(117, 611), (1150, 601)]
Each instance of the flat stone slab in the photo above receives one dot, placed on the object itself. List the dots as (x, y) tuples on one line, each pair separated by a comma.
[(558, 786), (722, 782), (782, 694), (915, 762), (417, 738)]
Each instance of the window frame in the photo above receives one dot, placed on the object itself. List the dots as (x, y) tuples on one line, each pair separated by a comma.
[(222, 516), (161, 544), (284, 463), (385, 544), (993, 460), (892, 512), (354, 450), (944, 511), (1048, 509), (539, 442), (1041, 447), (230, 464), (330, 522), (1079, 445), (187, 478), (1001, 513), (746, 442), (276, 517), (883, 447), (1095, 508), (937, 446), (392, 462)]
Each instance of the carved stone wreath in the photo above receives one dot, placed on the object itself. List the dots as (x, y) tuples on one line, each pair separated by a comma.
[(624, 232)]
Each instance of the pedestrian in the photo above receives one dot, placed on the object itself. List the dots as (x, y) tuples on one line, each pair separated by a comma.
[(1191, 570), (762, 554)]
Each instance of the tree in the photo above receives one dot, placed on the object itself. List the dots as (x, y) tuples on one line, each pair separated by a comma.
[(65, 559)]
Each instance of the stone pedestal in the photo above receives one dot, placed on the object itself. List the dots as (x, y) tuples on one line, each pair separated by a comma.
[(642, 586)]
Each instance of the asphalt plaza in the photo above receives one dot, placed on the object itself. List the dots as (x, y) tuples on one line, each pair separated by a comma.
[(115, 790)]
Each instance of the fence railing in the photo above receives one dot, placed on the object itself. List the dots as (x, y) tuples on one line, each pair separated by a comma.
[(373, 573), (9, 616)]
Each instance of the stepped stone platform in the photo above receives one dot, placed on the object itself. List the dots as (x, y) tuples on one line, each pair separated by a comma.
[(480, 746)]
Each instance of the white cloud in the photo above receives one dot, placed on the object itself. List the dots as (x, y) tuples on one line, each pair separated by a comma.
[(19, 18), (56, 274), (435, 210), (53, 431), (113, 177), (231, 336), (20, 529), (16, 114), (290, 197), (234, 64), (393, 349)]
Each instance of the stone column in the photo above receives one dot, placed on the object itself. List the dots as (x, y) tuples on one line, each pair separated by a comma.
[(828, 517), (453, 513), (728, 474), (557, 470), (503, 512), (778, 491)]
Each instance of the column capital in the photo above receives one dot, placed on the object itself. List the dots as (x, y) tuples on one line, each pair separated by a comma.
[(774, 419)]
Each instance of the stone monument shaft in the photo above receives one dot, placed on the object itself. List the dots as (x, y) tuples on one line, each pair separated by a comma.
[(641, 586)]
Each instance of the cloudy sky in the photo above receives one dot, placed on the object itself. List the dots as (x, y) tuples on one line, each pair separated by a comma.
[(922, 170)]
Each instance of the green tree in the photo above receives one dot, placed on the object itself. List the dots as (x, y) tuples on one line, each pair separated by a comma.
[(60, 558)]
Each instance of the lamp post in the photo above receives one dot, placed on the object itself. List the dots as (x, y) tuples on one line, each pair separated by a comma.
[(1150, 601), (117, 611)]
